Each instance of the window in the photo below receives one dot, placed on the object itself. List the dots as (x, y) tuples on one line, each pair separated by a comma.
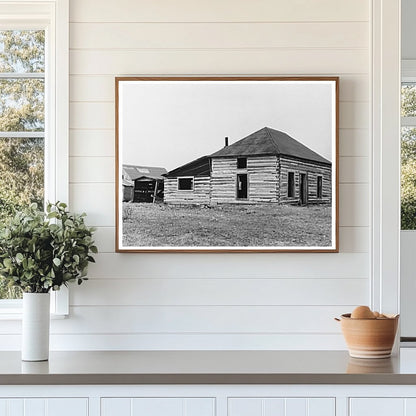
[(319, 187), (186, 184), (408, 155), (22, 119), (241, 163), (33, 112), (291, 184)]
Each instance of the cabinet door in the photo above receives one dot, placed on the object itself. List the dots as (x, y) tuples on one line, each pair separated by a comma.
[(272, 406), (44, 407), (155, 406), (393, 406)]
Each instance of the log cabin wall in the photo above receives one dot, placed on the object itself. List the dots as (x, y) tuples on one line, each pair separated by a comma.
[(262, 179), (200, 194), (312, 170), (261, 175)]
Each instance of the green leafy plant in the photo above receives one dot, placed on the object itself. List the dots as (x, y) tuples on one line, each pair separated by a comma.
[(42, 251)]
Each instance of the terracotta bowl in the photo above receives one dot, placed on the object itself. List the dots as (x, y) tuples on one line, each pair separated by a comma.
[(369, 338)]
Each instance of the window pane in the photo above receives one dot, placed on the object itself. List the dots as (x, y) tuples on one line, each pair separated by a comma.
[(22, 51), (22, 105), (185, 184), (21, 173), (21, 182), (408, 178)]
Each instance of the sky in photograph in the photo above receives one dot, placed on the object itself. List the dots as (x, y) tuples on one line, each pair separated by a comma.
[(168, 124)]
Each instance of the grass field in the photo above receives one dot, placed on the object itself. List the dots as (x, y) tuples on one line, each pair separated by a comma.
[(149, 225)]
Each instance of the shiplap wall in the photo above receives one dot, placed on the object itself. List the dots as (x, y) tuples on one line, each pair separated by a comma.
[(214, 301)]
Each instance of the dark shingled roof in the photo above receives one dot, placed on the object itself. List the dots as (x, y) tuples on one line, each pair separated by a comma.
[(133, 172), (198, 167), (268, 141)]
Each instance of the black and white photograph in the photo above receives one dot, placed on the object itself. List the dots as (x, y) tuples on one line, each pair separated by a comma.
[(227, 164)]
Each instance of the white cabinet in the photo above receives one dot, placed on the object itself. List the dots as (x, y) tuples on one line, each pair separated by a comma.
[(44, 407), (383, 406), (281, 406), (157, 406)]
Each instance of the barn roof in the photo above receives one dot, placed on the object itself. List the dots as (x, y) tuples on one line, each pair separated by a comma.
[(133, 172), (198, 167), (268, 141)]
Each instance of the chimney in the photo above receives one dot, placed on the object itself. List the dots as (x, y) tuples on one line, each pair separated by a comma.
[(226, 142)]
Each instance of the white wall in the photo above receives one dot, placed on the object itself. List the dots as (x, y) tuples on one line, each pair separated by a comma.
[(214, 301)]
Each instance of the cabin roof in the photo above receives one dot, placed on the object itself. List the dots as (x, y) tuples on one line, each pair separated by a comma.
[(133, 172), (268, 141), (198, 167)]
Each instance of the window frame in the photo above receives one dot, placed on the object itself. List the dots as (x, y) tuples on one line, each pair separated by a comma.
[(53, 17), (186, 177), (240, 159)]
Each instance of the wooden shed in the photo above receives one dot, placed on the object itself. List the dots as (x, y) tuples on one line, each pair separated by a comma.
[(268, 166), (148, 182)]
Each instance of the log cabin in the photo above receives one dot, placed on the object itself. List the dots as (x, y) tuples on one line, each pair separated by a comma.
[(267, 166)]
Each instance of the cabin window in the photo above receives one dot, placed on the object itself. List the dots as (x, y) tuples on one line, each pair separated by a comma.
[(241, 163), (319, 187), (185, 184), (291, 184)]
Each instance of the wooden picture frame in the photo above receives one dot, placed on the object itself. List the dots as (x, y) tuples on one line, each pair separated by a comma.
[(227, 164)]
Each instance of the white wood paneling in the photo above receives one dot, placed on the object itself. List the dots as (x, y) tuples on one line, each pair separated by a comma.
[(354, 142), (157, 406), (67, 407), (146, 341), (377, 407), (353, 170), (218, 11), (44, 407), (116, 407), (281, 407), (299, 61), (94, 143), (343, 265), (218, 291), (354, 239), (200, 319), (354, 205), (218, 35), (96, 199), (100, 169)]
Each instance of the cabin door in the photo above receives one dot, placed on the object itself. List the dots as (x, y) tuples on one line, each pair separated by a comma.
[(242, 186), (303, 190)]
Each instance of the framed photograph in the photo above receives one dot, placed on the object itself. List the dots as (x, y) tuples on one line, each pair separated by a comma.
[(227, 164)]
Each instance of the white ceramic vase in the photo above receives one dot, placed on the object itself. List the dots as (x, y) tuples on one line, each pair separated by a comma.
[(35, 326)]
